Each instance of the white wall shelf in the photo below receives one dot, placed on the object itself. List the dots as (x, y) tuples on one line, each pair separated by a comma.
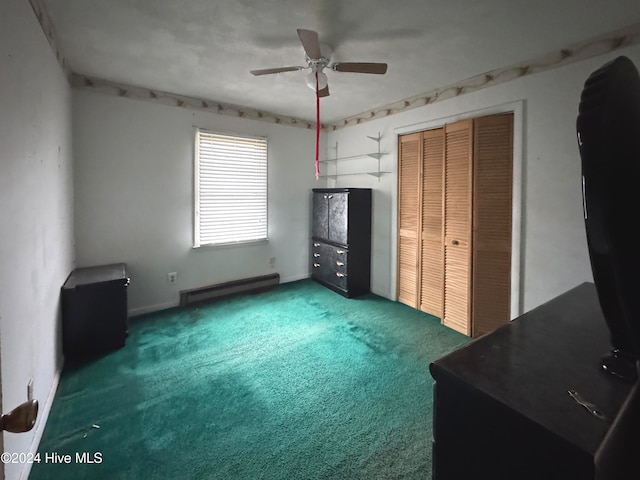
[(375, 155)]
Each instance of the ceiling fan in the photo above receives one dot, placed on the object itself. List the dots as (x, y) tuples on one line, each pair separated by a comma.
[(317, 62)]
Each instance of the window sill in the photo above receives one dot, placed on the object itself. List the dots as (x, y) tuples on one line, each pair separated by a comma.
[(246, 243)]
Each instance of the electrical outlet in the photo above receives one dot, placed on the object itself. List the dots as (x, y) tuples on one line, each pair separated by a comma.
[(172, 277), (30, 390), (272, 262)]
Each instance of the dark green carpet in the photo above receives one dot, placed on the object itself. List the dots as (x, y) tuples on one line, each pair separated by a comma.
[(295, 383)]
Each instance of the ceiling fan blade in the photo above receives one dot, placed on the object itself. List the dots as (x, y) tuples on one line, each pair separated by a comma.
[(360, 67), (324, 92), (267, 71), (310, 42)]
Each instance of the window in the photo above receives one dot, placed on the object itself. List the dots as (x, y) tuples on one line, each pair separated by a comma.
[(230, 189)]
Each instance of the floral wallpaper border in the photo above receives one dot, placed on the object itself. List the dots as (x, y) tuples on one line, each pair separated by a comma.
[(579, 51), (49, 32), (83, 82)]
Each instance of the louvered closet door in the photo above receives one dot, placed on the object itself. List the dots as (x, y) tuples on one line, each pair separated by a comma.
[(458, 177), (493, 174), (432, 267), (408, 215)]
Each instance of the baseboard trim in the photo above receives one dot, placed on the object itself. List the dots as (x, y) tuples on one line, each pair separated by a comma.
[(294, 278), (134, 312), (43, 416)]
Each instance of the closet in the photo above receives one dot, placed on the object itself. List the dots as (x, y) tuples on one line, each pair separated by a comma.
[(454, 222)]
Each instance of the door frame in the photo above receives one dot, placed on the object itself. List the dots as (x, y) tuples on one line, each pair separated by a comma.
[(517, 209)]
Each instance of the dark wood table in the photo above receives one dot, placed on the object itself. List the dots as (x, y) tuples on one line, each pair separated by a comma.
[(501, 404)]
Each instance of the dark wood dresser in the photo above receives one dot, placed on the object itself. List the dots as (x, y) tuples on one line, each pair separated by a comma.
[(341, 239), (501, 404)]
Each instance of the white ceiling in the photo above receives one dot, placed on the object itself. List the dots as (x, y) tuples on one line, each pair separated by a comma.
[(205, 48)]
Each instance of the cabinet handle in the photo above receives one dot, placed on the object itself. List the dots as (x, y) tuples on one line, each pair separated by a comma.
[(316, 244), (316, 255), (340, 264), (338, 274), (455, 242), (325, 196), (339, 252), (316, 265), (330, 196)]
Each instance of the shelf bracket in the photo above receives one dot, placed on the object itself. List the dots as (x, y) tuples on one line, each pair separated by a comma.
[(378, 154)]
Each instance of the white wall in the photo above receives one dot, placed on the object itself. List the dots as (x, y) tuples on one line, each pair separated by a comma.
[(36, 212), (133, 174), (134, 197), (554, 255)]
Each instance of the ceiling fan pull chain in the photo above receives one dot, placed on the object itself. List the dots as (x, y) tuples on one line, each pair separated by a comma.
[(317, 128)]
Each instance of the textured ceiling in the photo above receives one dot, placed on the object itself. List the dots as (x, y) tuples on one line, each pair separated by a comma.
[(205, 48)]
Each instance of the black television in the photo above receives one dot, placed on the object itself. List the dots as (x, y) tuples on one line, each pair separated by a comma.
[(608, 131)]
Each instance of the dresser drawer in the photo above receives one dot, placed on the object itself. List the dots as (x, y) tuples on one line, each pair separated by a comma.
[(329, 264), (329, 253)]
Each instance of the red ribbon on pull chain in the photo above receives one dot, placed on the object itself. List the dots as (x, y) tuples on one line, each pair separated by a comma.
[(317, 129)]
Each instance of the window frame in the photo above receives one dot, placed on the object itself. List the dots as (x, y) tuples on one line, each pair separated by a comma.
[(262, 233)]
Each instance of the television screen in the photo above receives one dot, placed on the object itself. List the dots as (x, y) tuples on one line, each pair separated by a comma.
[(608, 130)]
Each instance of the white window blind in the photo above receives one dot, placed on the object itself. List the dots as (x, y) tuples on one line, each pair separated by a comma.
[(230, 189)]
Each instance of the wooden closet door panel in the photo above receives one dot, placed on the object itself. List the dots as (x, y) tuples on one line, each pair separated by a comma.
[(432, 277), (409, 180), (456, 305), (458, 183), (432, 265), (407, 275), (493, 178)]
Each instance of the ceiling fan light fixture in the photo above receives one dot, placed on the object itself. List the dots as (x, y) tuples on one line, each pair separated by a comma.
[(311, 81), (317, 58)]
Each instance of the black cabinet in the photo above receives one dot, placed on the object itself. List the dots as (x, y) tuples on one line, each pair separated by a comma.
[(502, 407), (341, 239), (94, 310), (331, 215)]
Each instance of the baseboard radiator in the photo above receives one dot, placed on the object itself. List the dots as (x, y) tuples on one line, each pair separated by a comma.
[(226, 289)]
